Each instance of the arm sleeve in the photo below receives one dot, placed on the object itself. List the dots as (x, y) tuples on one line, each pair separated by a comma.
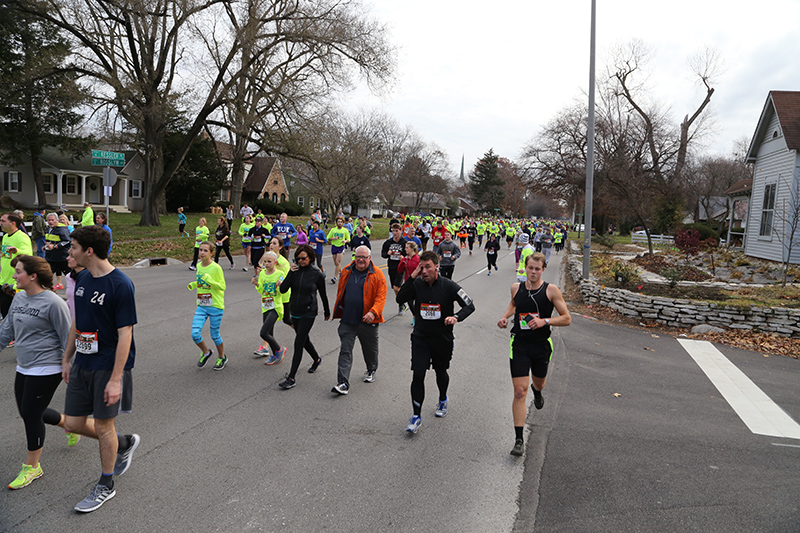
[(61, 320), (406, 292), (6, 333), (323, 294), (385, 250), (463, 299)]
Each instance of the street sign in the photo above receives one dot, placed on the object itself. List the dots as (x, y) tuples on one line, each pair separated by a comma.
[(109, 177), (102, 158)]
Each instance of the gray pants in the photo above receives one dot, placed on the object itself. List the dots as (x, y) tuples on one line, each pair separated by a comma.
[(368, 337), (546, 250)]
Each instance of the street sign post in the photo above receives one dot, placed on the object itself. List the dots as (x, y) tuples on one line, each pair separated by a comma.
[(102, 158)]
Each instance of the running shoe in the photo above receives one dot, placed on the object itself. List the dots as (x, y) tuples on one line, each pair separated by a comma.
[(288, 383), (489, 273), (519, 448), (315, 366), (441, 409), (26, 476), (413, 321), (10, 344), (369, 376), (204, 359), (58, 287), (333, 280), (232, 266), (124, 457), (341, 388), (262, 351), (538, 399), (270, 360), (72, 438), (279, 355), (221, 362), (192, 267), (414, 423), (245, 269), (401, 309), (495, 267), (100, 494)]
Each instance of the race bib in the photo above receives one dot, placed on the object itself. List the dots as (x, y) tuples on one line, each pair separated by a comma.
[(204, 299), (447, 255), (490, 252), (257, 238), (86, 342), (430, 311), (267, 303), (525, 320), (199, 241)]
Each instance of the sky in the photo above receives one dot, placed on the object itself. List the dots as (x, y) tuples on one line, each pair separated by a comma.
[(473, 75)]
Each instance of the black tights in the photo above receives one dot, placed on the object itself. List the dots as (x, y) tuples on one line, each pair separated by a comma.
[(302, 327), (491, 260), (418, 387), (227, 248), (33, 394), (267, 329)]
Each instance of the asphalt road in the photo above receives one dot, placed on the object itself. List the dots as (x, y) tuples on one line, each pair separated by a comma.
[(230, 451)]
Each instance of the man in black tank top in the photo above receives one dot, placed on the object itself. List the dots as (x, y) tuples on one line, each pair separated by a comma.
[(532, 304)]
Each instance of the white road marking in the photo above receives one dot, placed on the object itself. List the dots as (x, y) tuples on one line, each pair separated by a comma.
[(759, 413), (786, 445)]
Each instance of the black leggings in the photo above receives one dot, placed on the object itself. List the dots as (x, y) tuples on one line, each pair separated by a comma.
[(33, 394), (227, 248), (267, 329), (447, 271), (418, 387), (491, 260), (194, 258), (255, 255), (302, 327)]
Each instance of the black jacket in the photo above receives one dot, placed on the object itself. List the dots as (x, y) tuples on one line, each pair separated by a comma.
[(305, 282), (443, 293)]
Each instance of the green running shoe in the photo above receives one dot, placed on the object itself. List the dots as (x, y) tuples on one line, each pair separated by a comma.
[(26, 476)]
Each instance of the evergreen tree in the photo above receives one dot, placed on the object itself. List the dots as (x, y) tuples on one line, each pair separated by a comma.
[(198, 181), (38, 92), (486, 185)]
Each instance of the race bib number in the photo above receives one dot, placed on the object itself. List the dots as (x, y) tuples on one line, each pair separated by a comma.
[(282, 235), (430, 311), (267, 303), (490, 252), (447, 255), (199, 241), (204, 299), (257, 238), (525, 320), (86, 342)]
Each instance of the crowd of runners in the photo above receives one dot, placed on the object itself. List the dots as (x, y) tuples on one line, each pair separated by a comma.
[(88, 340)]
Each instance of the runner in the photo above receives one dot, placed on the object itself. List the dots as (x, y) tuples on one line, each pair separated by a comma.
[(437, 235), (338, 237), (200, 235), (210, 286), (492, 250), (99, 380), (268, 282), (526, 251), (275, 245), (359, 239), (522, 240), (285, 232), (532, 304), (87, 219), (432, 339), (62, 219), (244, 233), (57, 245), (39, 323), (182, 223), (471, 233), (448, 253), (15, 242), (407, 265), (223, 240), (393, 250), (258, 237), (305, 281), (317, 240)]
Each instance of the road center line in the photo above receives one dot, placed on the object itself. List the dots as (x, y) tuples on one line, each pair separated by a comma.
[(759, 413)]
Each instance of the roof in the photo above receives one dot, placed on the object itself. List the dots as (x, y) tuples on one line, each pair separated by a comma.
[(259, 173), (787, 105), (54, 159), (744, 186)]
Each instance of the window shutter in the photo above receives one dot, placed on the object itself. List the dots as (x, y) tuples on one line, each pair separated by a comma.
[(5, 181), (78, 185), (130, 188), (19, 184)]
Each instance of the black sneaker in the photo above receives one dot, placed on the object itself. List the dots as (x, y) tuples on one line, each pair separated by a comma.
[(315, 366), (538, 399), (519, 448), (288, 383), (125, 456), (204, 359)]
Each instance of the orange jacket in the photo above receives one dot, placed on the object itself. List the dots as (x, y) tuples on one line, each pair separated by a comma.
[(374, 291)]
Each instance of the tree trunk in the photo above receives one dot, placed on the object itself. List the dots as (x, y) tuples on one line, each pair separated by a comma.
[(155, 184), (36, 165)]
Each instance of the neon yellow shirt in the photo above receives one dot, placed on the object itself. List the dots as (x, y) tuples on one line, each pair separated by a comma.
[(267, 287), (210, 286), (19, 240), (243, 229), (338, 237), (200, 235)]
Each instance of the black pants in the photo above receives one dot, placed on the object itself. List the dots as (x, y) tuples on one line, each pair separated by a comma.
[(491, 260), (255, 255), (302, 327), (418, 387), (33, 395), (447, 271), (268, 328), (194, 258), (227, 248)]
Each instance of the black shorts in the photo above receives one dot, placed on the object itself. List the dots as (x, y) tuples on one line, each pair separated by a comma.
[(430, 352), (394, 278), (530, 356), (85, 392), (59, 268)]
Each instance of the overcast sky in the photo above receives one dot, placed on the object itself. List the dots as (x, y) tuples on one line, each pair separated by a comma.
[(474, 75)]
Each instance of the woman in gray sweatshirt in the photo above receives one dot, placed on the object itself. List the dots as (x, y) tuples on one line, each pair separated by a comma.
[(38, 322)]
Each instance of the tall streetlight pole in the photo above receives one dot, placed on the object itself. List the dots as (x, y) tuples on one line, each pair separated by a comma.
[(587, 218)]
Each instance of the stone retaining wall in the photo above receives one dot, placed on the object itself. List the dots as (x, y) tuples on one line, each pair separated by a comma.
[(686, 313)]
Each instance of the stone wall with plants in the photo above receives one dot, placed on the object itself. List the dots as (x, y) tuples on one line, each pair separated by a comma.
[(685, 313)]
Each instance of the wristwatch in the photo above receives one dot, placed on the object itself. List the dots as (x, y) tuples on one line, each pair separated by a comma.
[(547, 321)]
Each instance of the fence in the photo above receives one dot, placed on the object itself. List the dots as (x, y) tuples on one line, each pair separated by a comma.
[(657, 239)]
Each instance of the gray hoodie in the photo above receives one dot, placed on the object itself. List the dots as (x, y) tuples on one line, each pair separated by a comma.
[(445, 258), (39, 326)]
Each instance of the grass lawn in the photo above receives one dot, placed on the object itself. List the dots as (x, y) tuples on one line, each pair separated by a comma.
[(133, 243)]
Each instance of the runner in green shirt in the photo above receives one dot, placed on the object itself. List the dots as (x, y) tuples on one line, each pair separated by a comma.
[(200, 236), (247, 223), (88, 215), (267, 284), (15, 242), (210, 286)]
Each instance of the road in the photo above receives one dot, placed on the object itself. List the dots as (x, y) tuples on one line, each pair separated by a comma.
[(634, 435)]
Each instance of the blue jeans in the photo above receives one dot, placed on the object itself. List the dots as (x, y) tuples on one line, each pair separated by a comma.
[(40, 242)]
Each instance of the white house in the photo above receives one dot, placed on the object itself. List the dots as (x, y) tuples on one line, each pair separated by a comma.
[(775, 152)]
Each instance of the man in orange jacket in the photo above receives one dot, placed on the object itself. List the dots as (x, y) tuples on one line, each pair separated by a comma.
[(359, 303)]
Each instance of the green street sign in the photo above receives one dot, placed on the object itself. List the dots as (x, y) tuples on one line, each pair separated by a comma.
[(102, 154), (101, 162)]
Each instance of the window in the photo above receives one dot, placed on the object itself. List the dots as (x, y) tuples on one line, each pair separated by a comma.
[(275, 197), (47, 181), (72, 185), (136, 188), (13, 181), (283, 197), (300, 201), (311, 203), (767, 210)]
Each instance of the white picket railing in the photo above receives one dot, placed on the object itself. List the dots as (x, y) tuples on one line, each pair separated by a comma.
[(657, 239)]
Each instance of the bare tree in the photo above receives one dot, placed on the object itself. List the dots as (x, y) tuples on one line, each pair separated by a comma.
[(787, 222)]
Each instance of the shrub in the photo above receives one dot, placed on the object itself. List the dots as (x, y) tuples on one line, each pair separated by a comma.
[(672, 275), (704, 230), (688, 241), (624, 272), (605, 240)]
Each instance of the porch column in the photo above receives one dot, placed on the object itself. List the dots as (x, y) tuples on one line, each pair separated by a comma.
[(59, 197), (83, 189)]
